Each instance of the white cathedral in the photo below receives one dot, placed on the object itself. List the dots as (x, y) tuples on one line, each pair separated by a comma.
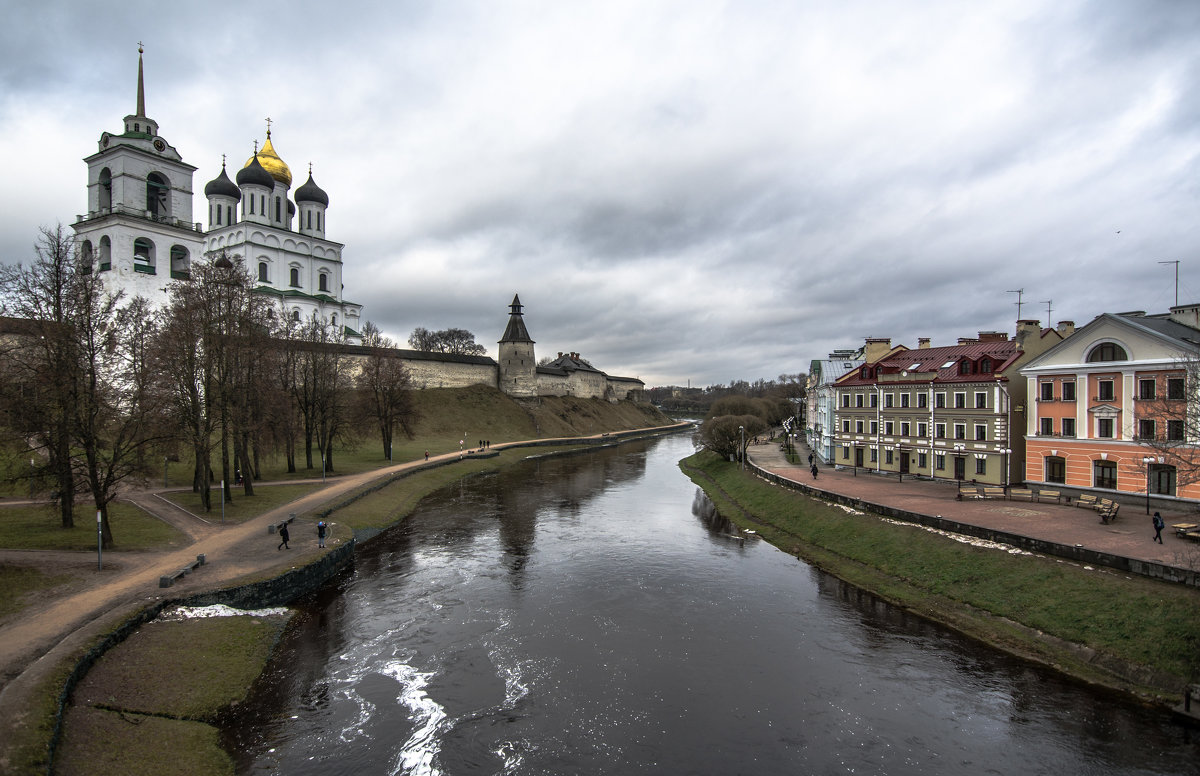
[(139, 233)]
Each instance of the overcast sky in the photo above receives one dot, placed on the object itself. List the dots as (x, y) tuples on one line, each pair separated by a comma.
[(680, 191)]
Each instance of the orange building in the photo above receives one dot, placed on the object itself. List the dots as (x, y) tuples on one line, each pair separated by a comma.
[(1109, 410)]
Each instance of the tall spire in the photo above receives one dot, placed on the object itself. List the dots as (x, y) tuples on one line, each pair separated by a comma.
[(516, 331), (141, 106)]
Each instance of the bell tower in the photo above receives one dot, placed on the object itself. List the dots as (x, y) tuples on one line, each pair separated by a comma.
[(517, 374)]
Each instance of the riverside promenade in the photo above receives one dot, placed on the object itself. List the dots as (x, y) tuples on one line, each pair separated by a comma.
[(1130, 535)]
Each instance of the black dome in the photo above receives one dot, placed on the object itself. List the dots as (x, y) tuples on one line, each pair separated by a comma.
[(221, 186), (255, 174), (311, 192)]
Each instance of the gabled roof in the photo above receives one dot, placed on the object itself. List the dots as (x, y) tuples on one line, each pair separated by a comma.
[(941, 365), (1170, 337)]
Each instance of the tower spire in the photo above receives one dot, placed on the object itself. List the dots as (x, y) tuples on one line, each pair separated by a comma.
[(141, 97)]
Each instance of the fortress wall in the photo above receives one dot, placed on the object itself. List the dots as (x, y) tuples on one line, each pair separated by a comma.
[(427, 373)]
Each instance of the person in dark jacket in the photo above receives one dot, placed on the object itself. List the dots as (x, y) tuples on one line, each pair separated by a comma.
[(283, 537), (1158, 526), (321, 531)]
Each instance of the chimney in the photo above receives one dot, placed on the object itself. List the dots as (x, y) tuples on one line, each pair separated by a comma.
[(560, 354), (1187, 314), (876, 348), (967, 340), (1026, 328), (993, 336), (1066, 328), (922, 343)]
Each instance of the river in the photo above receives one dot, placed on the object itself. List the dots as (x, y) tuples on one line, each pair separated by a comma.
[(588, 615)]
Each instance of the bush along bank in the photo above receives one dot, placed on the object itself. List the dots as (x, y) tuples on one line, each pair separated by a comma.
[(1140, 636)]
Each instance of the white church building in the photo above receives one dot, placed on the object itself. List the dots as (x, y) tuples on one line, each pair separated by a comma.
[(139, 231)]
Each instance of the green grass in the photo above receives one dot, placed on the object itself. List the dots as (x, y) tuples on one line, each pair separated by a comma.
[(1142, 621), (40, 528), (241, 508), (17, 582)]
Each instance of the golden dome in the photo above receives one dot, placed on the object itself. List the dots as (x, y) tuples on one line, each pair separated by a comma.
[(272, 163)]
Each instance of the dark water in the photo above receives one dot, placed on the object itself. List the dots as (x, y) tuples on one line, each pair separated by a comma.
[(584, 616)]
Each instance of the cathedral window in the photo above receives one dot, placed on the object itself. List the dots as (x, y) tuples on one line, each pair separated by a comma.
[(105, 190), (294, 277), (143, 256), (262, 272), (310, 219), (295, 315), (333, 319), (318, 221), (157, 200), (262, 204), (251, 201), (180, 264), (105, 253), (229, 214), (323, 281), (278, 210), (218, 215)]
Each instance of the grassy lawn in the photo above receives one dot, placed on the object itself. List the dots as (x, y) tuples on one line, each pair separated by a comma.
[(241, 508), (40, 528), (1149, 623), (123, 713), (17, 582)]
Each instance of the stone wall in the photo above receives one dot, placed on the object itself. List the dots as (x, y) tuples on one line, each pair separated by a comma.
[(449, 374)]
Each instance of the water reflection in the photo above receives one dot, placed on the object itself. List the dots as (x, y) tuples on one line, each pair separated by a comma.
[(570, 616)]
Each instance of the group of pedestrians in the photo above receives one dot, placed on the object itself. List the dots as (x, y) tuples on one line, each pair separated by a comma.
[(285, 536)]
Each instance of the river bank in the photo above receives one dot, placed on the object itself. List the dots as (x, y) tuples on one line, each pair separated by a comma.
[(1136, 636), (362, 515)]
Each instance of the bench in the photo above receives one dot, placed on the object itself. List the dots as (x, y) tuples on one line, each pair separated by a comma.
[(1049, 494), (1183, 529), (1024, 494), (1086, 501), (167, 580), (991, 491), (1108, 510)]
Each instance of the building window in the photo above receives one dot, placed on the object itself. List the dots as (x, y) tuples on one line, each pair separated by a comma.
[(1104, 428), (904, 400), (1175, 388), (985, 365), (981, 466), (1047, 391), (1162, 479), (229, 214), (904, 427), (333, 319), (874, 427), (1104, 390), (1056, 469), (323, 282), (1146, 389), (874, 455), (858, 400), (980, 431), (845, 400), (858, 426), (1145, 429), (888, 457), (1104, 474), (1068, 391), (278, 210), (922, 430), (1068, 426), (940, 430), (964, 367), (960, 430), (939, 461), (922, 460), (295, 315), (1175, 430), (874, 400), (845, 452), (1107, 351), (318, 222), (980, 400), (888, 428), (939, 400), (845, 427), (218, 209), (960, 401), (262, 272), (922, 400), (1047, 427), (888, 399), (294, 277)]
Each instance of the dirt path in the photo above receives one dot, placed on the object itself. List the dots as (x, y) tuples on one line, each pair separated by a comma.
[(41, 636)]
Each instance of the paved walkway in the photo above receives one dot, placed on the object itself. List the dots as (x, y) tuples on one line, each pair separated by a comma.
[(1130, 535)]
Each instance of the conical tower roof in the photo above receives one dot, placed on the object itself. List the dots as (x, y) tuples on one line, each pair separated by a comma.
[(516, 331)]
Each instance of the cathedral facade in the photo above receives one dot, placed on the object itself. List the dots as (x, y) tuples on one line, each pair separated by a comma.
[(139, 231)]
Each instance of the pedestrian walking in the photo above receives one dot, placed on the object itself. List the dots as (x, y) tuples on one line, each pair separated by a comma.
[(321, 530), (426, 455), (283, 537), (1158, 526), (814, 471), (810, 463)]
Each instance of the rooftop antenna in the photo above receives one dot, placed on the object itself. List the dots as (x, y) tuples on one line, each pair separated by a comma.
[(1048, 304), (1020, 292), (1176, 263)]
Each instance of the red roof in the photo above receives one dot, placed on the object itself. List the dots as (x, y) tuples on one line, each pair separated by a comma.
[(944, 361)]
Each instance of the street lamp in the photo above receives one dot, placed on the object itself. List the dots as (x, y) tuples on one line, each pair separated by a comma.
[(31, 473), (742, 449), (1147, 461), (1006, 452)]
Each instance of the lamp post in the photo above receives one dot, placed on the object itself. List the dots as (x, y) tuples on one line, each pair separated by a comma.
[(1147, 461), (742, 449), (31, 472), (164, 471), (322, 464), (1006, 452), (959, 449)]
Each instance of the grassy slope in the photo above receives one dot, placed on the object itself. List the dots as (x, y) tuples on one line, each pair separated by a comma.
[(1151, 628)]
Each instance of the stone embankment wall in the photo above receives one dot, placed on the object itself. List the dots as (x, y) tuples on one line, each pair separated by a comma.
[(1154, 570)]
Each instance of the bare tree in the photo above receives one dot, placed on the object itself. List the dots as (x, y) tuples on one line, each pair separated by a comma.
[(451, 341), (1168, 426), (384, 388)]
